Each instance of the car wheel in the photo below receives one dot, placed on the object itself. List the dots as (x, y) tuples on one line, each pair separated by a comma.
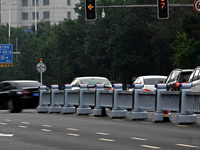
[(12, 107)]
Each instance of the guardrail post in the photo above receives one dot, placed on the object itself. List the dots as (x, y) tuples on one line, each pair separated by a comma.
[(98, 109), (53, 107), (159, 113), (82, 109), (137, 113), (117, 112), (67, 108), (185, 116), (42, 108)]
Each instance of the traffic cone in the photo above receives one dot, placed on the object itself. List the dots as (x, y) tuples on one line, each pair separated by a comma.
[(166, 116)]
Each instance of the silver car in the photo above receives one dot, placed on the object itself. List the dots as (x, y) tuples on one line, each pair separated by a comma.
[(91, 82)]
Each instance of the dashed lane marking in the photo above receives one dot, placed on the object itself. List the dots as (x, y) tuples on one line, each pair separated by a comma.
[(26, 122), (22, 127), (184, 145), (118, 120), (93, 117), (8, 120), (72, 134), (46, 130), (6, 135), (182, 126), (136, 138), (108, 140), (72, 129), (102, 133), (152, 147), (147, 122), (2, 123), (45, 125)]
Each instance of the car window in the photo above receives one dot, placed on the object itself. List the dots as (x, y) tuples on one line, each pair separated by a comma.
[(6, 86), (94, 81), (174, 76), (184, 76), (153, 81), (75, 83), (169, 77)]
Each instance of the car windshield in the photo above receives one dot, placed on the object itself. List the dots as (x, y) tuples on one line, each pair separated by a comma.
[(94, 81), (184, 77), (27, 84), (153, 81)]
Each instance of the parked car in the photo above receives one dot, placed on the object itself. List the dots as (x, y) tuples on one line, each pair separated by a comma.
[(91, 82), (150, 81), (19, 94), (195, 79), (176, 77)]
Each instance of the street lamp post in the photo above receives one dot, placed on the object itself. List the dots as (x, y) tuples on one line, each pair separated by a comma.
[(9, 17), (35, 17)]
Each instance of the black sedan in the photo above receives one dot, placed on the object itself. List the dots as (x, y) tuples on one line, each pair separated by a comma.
[(19, 94)]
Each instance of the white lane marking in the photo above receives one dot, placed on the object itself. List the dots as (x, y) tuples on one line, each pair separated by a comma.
[(72, 134), (22, 127), (135, 138), (191, 146), (118, 120), (26, 122), (3, 123), (101, 133), (45, 125), (46, 130), (182, 126), (147, 122), (6, 135), (148, 146), (108, 140), (93, 117), (72, 129), (7, 120)]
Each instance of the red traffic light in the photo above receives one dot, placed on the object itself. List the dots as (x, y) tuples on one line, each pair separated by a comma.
[(163, 9)]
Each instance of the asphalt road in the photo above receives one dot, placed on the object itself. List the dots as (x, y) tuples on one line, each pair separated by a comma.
[(32, 131)]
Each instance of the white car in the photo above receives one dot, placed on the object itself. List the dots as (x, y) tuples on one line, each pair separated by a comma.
[(91, 82), (150, 81)]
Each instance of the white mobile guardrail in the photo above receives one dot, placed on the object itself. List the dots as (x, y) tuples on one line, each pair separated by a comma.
[(118, 100)]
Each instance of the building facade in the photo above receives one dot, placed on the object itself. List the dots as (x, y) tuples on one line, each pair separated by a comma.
[(22, 12)]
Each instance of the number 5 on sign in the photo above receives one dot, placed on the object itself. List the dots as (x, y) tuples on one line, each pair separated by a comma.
[(197, 5)]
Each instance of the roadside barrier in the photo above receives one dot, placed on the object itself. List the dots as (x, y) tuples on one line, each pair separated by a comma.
[(160, 101), (44, 99)]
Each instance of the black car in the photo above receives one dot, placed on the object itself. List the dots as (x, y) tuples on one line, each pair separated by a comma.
[(19, 94), (176, 77)]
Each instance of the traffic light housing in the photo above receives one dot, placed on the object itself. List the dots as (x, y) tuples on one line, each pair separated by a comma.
[(163, 9), (90, 9)]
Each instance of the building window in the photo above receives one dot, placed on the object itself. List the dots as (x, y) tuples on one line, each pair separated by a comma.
[(69, 15), (68, 2), (45, 2), (24, 2), (33, 14), (37, 2), (25, 16), (46, 15)]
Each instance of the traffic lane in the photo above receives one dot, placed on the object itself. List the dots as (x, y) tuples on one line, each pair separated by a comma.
[(116, 133)]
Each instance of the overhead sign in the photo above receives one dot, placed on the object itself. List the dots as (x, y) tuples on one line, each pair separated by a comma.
[(197, 6), (6, 55)]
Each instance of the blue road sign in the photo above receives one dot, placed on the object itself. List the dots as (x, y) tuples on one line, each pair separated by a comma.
[(6, 53)]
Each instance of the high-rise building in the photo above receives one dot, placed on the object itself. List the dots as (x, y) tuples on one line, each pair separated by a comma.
[(22, 12)]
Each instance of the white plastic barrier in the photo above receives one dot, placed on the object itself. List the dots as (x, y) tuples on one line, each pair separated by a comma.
[(71, 99), (87, 98), (166, 101), (104, 98), (142, 102), (44, 99), (117, 110), (187, 105), (57, 99)]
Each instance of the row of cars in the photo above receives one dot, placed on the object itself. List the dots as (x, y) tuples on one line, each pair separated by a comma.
[(20, 94)]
